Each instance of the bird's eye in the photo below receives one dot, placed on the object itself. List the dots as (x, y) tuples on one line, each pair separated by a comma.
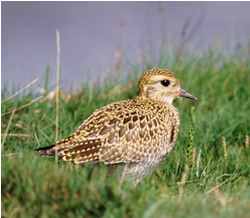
[(165, 82)]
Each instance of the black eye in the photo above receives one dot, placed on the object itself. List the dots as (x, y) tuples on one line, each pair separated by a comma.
[(165, 82)]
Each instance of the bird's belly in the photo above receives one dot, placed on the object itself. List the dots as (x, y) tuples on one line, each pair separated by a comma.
[(139, 170)]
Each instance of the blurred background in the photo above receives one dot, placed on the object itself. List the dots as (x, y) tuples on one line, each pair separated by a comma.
[(100, 38)]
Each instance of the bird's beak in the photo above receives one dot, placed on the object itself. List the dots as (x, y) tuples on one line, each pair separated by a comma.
[(185, 94)]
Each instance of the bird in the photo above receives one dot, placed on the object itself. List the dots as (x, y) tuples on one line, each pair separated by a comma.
[(136, 134)]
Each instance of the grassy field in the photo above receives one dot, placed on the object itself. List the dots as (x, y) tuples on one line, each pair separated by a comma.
[(204, 176)]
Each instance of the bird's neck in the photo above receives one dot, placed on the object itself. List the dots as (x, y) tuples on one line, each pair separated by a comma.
[(168, 102)]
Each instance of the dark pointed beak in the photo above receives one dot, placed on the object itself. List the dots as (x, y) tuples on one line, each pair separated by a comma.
[(185, 94)]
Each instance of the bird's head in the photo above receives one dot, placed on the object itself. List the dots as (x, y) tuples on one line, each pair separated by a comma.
[(161, 85)]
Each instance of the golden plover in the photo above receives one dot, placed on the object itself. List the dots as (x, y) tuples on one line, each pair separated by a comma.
[(138, 134)]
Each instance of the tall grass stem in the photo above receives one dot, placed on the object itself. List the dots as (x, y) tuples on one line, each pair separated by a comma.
[(57, 87), (224, 145)]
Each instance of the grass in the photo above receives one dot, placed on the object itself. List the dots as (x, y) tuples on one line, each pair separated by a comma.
[(212, 182)]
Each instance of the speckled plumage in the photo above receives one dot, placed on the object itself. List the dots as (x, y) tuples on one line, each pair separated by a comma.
[(138, 133)]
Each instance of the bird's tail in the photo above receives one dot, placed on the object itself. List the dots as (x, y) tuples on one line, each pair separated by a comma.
[(48, 151), (52, 149)]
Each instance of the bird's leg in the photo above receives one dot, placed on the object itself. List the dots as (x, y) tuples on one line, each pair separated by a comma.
[(125, 168)]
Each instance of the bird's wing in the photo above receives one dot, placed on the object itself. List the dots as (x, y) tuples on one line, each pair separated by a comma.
[(88, 131), (114, 134)]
